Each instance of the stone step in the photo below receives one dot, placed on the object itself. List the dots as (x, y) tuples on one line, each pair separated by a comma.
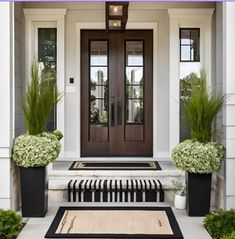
[(60, 176)]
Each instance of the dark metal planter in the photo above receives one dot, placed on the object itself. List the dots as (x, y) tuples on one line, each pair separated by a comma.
[(34, 191), (198, 194)]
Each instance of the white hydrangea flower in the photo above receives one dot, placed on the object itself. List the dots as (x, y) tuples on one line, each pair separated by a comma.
[(196, 157), (35, 150)]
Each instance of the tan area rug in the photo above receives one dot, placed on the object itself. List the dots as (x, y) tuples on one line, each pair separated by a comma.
[(113, 221), (116, 222)]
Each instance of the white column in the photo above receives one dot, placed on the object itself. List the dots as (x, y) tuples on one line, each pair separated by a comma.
[(229, 108), (174, 108), (185, 18), (6, 100)]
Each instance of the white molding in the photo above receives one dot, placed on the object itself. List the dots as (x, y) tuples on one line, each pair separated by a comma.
[(55, 17), (228, 71), (130, 25), (190, 13), (5, 203), (7, 73), (5, 153), (163, 156), (44, 14), (194, 17)]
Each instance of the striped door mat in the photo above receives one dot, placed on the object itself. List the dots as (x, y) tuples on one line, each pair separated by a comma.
[(147, 165)]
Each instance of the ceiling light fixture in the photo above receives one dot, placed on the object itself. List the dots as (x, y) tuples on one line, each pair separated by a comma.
[(116, 15)]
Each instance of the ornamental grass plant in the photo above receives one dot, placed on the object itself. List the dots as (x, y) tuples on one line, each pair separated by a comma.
[(41, 97), (38, 148), (201, 109), (199, 154)]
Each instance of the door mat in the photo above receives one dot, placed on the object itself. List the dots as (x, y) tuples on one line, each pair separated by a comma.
[(76, 165), (114, 222)]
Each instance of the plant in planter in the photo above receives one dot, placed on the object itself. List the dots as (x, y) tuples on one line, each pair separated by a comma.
[(180, 194), (10, 224), (200, 156), (34, 150)]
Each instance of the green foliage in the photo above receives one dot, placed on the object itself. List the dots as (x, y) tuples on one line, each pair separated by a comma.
[(41, 98), (230, 236), (179, 188), (139, 118), (220, 223), (36, 150), (186, 85), (58, 134), (201, 109), (10, 224), (196, 157)]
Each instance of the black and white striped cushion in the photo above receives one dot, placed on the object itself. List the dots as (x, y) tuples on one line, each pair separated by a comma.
[(100, 190)]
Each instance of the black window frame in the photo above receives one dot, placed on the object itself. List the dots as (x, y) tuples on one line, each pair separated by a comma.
[(180, 33)]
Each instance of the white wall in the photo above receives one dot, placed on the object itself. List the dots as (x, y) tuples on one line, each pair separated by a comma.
[(218, 87), (229, 108), (19, 88), (6, 104), (19, 126), (94, 12)]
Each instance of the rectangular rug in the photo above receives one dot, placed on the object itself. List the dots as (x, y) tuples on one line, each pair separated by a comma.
[(76, 165), (114, 222)]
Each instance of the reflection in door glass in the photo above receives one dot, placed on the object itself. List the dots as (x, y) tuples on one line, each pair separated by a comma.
[(135, 111), (98, 75), (98, 111), (134, 89), (134, 75), (98, 90), (134, 53), (98, 53)]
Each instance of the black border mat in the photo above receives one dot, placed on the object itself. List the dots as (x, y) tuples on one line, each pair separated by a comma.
[(158, 167), (177, 234)]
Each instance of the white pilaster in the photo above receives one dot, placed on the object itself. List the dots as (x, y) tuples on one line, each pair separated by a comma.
[(229, 108), (55, 17), (185, 18), (6, 100)]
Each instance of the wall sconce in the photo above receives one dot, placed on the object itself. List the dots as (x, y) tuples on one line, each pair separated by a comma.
[(116, 15)]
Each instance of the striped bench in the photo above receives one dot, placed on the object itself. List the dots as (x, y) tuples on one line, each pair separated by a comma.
[(98, 190)]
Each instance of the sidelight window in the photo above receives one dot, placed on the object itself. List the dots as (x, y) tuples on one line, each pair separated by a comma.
[(189, 44), (47, 48)]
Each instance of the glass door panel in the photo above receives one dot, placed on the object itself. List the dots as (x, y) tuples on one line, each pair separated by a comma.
[(98, 91), (134, 91)]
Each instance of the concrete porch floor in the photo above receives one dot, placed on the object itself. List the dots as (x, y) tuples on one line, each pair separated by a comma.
[(191, 227)]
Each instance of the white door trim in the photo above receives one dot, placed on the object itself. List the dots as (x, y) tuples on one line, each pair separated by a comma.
[(55, 17)]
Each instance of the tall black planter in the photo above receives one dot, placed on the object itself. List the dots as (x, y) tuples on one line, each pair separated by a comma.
[(198, 194), (34, 191)]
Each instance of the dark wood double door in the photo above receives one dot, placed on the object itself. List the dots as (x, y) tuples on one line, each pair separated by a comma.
[(116, 93)]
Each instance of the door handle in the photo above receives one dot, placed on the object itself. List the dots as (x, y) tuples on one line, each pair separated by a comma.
[(119, 111), (113, 111)]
